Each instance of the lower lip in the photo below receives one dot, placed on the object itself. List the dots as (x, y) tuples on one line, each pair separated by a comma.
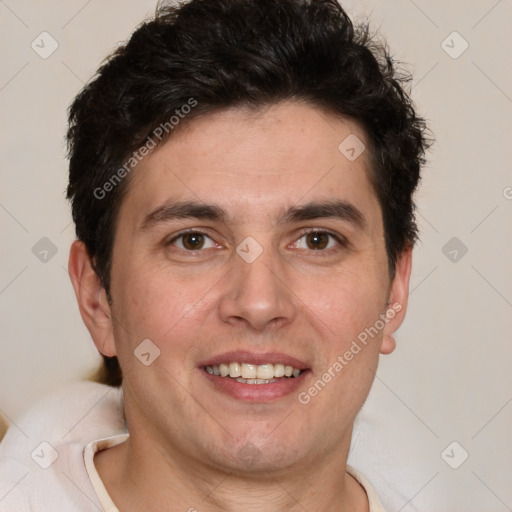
[(255, 392)]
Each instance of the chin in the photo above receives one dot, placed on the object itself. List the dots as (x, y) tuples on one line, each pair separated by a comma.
[(260, 454)]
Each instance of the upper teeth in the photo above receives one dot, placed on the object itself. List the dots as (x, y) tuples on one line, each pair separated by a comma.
[(252, 371)]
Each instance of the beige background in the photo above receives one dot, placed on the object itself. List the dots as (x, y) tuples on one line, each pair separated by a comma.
[(449, 379)]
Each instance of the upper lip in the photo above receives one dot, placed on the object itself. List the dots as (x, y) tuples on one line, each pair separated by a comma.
[(241, 356)]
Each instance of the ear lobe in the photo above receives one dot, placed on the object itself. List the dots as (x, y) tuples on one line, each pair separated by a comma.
[(92, 299), (397, 301)]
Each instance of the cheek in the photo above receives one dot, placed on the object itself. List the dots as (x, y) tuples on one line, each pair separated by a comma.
[(346, 303), (169, 309), (348, 349)]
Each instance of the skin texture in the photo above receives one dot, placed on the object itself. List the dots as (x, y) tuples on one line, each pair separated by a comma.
[(187, 438)]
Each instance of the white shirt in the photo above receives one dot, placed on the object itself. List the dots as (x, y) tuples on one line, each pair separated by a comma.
[(47, 458)]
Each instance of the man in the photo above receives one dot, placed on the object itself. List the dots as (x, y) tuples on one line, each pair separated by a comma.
[(241, 177)]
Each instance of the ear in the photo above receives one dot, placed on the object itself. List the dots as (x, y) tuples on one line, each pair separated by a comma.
[(397, 300), (92, 299)]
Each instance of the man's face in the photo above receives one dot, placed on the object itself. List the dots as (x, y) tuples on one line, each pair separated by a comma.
[(188, 275)]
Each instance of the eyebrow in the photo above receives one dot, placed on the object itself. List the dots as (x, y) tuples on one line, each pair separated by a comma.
[(337, 209), (182, 210)]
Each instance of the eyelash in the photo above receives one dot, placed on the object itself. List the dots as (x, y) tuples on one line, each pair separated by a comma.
[(189, 232), (341, 240)]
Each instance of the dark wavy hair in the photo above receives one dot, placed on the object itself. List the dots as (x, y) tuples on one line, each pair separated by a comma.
[(246, 53)]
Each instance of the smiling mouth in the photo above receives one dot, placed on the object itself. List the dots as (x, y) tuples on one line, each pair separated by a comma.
[(247, 373)]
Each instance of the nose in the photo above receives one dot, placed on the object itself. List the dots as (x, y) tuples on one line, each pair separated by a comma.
[(257, 295)]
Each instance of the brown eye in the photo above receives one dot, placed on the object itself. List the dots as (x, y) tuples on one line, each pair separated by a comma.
[(317, 240), (193, 241), (320, 241)]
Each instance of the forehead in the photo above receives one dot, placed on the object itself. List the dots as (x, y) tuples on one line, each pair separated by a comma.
[(255, 163)]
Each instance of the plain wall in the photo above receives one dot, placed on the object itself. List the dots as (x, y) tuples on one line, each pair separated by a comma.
[(449, 378)]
